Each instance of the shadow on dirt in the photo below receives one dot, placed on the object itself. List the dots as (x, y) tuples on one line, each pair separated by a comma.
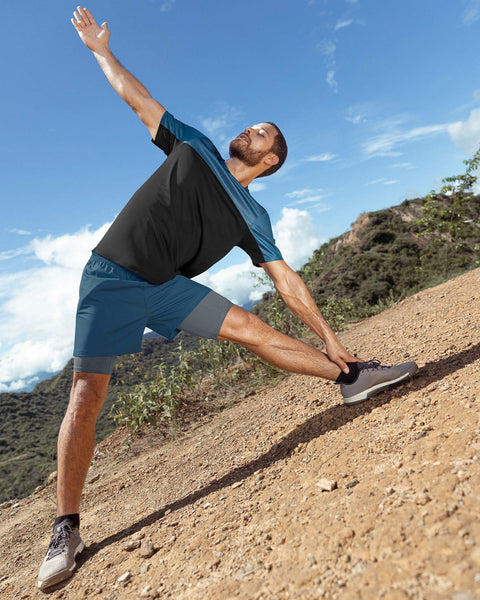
[(330, 420)]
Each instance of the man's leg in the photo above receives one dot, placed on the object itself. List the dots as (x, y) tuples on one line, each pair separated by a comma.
[(276, 348), (76, 442), (364, 380)]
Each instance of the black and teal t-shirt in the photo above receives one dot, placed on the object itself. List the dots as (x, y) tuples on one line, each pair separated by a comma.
[(189, 214)]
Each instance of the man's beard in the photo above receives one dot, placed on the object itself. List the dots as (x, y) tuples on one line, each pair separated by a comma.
[(238, 149)]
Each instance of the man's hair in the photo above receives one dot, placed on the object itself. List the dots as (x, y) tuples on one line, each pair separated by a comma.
[(279, 148)]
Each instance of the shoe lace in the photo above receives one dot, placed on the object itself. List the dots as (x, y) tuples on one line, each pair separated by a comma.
[(371, 364), (59, 539)]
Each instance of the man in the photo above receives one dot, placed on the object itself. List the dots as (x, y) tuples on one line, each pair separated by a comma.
[(187, 216)]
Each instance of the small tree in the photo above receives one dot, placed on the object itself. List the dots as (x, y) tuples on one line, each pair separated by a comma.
[(447, 212), (446, 215)]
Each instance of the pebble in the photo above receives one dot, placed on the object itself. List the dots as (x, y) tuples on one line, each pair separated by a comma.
[(132, 545), (422, 498), (125, 578), (352, 484), (147, 550), (327, 485)]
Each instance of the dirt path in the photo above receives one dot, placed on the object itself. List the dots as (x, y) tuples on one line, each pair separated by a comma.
[(235, 508)]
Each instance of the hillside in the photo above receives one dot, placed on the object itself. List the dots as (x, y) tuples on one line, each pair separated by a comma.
[(234, 506), (382, 258)]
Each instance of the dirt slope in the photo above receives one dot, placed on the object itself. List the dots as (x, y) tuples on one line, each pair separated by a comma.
[(234, 508)]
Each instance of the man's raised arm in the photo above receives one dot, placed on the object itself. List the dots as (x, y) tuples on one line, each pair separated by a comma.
[(124, 83), (296, 296)]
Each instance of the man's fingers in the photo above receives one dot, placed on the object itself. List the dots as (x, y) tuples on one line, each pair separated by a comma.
[(89, 15), (84, 15), (343, 365)]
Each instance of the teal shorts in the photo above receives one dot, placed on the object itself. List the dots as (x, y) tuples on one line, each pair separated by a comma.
[(116, 305)]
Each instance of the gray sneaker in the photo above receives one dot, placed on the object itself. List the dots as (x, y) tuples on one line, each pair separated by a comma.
[(373, 378), (59, 564)]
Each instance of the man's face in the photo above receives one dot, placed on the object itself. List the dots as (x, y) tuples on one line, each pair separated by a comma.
[(253, 144)]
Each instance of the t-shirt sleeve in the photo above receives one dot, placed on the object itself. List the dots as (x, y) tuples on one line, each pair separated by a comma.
[(259, 243), (171, 132)]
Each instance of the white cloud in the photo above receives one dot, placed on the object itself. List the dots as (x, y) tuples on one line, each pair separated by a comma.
[(37, 307), (471, 13), (69, 250), (257, 187), (404, 165), (235, 283), (309, 196), (222, 126), (331, 81), (383, 181), (325, 157), (466, 134), (386, 143), (356, 114), (296, 236), (9, 254), (301, 193), (343, 23), (309, 199), (328, 49), (20, 232), (166, 5)]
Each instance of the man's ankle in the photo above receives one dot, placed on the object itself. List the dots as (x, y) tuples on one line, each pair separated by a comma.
[(349, 377), (74, 519)]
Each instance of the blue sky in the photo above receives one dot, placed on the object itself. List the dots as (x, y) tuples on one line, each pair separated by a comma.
[(378, 101)]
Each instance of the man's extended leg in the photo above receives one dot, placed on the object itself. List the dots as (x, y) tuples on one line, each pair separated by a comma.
[(276, 348), (364, 380), (76, 442)]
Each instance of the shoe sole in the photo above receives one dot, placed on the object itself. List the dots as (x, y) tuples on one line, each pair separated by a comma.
[(61, 575), (362, 396)]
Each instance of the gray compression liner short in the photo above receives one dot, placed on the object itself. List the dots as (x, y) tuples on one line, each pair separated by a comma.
[(207, 317), (205, 320), (94, 364)]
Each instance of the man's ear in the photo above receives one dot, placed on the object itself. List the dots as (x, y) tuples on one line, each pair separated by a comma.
[(271, 159)]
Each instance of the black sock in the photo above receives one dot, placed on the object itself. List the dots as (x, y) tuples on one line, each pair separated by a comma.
[(348, 377), (74, 520)]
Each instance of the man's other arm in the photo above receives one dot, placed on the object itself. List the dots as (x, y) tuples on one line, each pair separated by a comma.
[(123, 82), (296, 296)]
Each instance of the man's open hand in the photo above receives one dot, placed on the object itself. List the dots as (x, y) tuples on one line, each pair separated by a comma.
[(93, 36)]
